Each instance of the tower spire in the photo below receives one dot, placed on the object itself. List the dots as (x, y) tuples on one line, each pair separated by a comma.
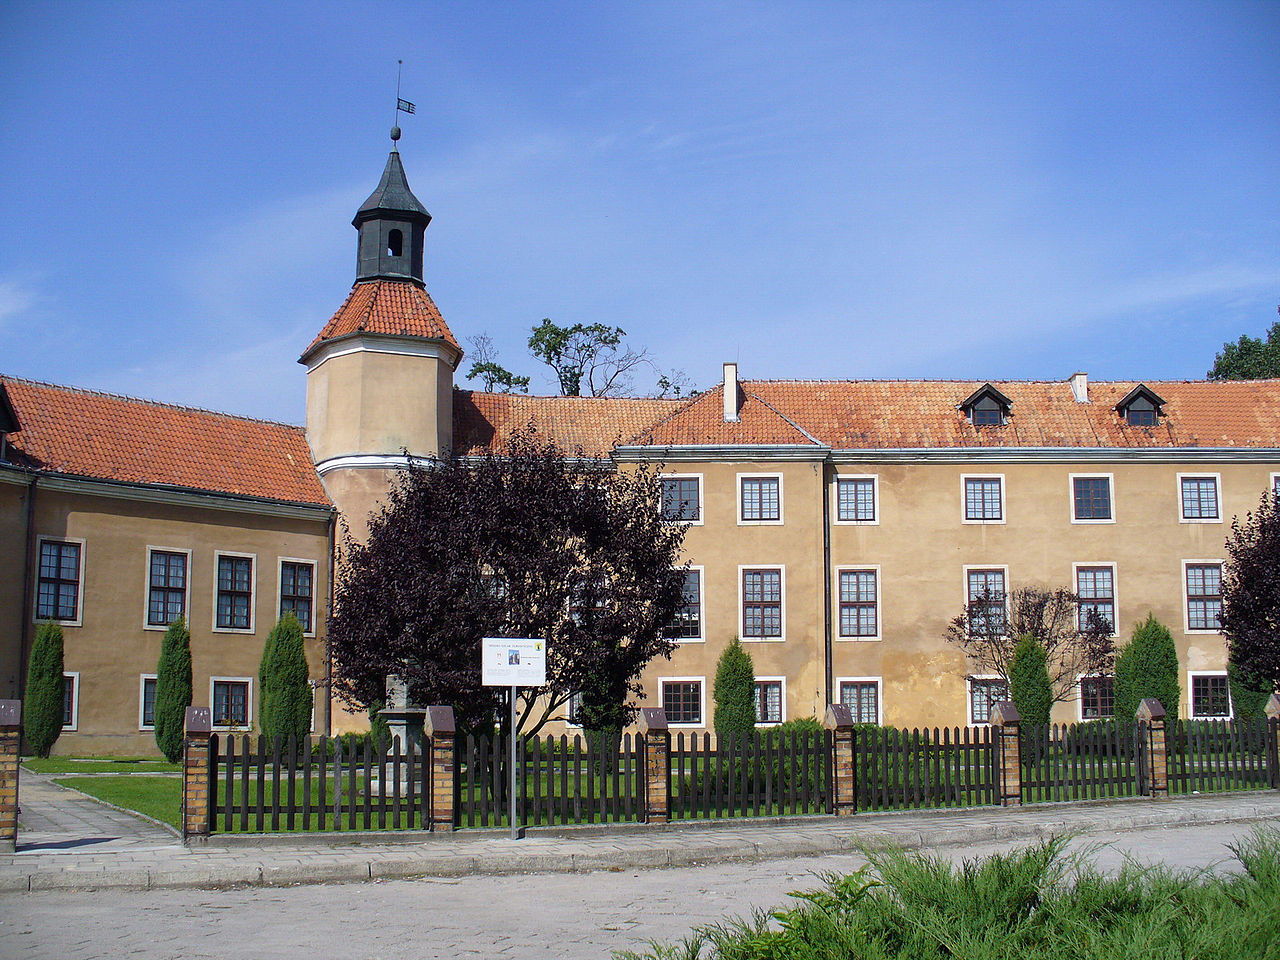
[(392, 223)]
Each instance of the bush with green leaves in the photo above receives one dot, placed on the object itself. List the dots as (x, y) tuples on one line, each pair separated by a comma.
[(1249, 695), (1147, 667), (173, 689), (734, 692), (285, 698), (1029, 684), (42, 707)]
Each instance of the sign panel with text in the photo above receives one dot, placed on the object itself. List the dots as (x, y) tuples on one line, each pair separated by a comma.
[(513, 661)]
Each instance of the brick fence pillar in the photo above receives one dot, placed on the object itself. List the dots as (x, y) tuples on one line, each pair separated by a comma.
[(10, 735), (1007, 734), (1273, 746), (439, 742), (844, 785), (1153, 742), (655, 751), (197, 774)]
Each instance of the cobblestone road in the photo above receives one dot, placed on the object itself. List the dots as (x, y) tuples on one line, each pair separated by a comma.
[(530, 917)]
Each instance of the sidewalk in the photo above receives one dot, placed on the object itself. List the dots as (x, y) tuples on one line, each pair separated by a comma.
[(146, 860)]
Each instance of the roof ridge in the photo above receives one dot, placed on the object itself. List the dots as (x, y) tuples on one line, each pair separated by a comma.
[(7, 378)]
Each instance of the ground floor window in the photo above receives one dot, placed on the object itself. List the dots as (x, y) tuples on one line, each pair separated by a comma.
[(682, 701), (231, 703), (1210, 696), (1097, 698), (147, 703), (768, 701), (985, 693), (862, 697), (70, 700)]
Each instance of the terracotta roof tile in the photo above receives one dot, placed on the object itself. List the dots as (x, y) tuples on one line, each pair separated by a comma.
[(702, 422), (109, 437), (398, 308)]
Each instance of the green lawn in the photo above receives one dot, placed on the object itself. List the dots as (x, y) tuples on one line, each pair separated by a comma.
[(99, 765), (157, 797)]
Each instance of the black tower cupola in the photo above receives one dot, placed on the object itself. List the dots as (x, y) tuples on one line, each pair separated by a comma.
[(391, 224)]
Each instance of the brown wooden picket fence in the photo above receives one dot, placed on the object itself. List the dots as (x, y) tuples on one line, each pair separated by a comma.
[(912, 769), (761, 773), (1213, 755), (1080, 761)]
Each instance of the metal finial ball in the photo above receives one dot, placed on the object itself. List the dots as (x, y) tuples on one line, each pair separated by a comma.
[(395, 133)]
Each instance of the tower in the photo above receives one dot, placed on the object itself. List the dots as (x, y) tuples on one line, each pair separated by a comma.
[(380, 372)]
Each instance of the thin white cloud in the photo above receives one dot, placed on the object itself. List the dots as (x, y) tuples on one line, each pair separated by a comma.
[(16, 298)]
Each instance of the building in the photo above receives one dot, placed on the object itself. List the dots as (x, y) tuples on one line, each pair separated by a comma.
[(835, 526)]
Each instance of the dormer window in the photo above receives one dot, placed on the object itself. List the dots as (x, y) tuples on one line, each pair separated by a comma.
[(987, 407), (1141, 407)]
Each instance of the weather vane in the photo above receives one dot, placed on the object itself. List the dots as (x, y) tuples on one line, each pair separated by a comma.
[(401, 105)]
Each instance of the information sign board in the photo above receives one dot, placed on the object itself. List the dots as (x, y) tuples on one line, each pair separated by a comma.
[(513, 662)]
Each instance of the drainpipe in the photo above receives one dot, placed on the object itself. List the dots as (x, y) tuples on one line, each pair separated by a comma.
[(827, 471), (328, 652), (28, 572)]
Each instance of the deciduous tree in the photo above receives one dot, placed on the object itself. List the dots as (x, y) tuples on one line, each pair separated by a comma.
[(1251, 594), (590, 359), (1249, 358)]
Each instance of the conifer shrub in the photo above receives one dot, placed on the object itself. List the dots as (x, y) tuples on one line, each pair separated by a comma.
[(1029, 684), (173, 689), (42, 707), (285, 698), (1147, 667), (734, 692)]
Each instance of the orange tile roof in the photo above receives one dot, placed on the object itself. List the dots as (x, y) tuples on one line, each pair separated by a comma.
[(593, 424), (702, 422), (397, 308), (109, 437)]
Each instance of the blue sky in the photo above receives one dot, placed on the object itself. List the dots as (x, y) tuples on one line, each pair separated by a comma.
[(886, 190)]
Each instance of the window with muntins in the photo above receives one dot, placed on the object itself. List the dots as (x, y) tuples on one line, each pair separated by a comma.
[(1096, 589), (680, 499), (58, 590), (858, 614), (167, 595), (986, 602), (983, 695), (862, 697), (982, 499), (297, 584), (682, 701), (856, 500), (235, 592), (230, 703), (148, 701), (1204, 596), (688, 622), (1141, 412), (986, 412), (1210, 696), (68, 700), (762, 603), (1091, 498), (760, 498), (1200, 498), (768, 701), (1097, 698)]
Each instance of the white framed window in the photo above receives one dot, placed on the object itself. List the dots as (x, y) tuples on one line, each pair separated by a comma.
[(759, 498), (1275, 484), (231, 699), (1200, 497), (1202, 595), (233, 593), (857, 500), (573, 711), (762, 602), (297, 591), (771, 700), (60, 580), (682, 497), (683, 700), (70, 700), (1096, 696), (1093, 497), (982, 499), (986, 598), (858, 603), (147, 701), (1096, 588), (689, 626), (168, 586), (862, 696), (984, 693), (1210, 695)]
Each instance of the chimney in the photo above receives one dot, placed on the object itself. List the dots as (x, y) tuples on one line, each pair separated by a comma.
[(1080, 387), (730, 393)]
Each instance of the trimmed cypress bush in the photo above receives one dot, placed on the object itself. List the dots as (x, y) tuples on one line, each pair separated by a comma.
[(1249, 695), (1147, 667), (1029, 684), (734, 692), (173, 689), (284, 690), (42, 707)]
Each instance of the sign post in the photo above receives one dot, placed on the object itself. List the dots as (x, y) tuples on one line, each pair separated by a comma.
[(515, 662)]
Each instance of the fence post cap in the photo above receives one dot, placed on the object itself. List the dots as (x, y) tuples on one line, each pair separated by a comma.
[(1273, 706), (10, 713), (1003, 712), (198, 720), (838, 717), (439, 720), (1150, 709), (652, 719)]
